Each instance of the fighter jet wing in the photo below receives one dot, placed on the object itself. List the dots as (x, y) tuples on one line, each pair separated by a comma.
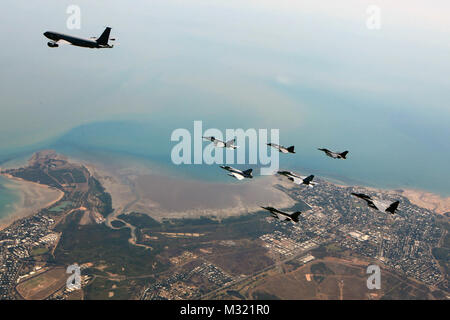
[(276, 146), (371, 204), (230, 143), (333, 155), (361, 196), (219, 143), (381, 205), (275, 215), (295, 180), (325, 150), (236, 175), (295, 175)]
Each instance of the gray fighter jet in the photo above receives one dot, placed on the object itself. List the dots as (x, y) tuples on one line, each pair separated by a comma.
[(281, 148), (221, 144), (284, 216), (238, 174), (297, 179), (334, 155), (377, 204), (60, 38)]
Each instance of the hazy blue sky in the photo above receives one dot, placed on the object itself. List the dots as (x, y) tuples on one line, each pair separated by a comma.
[(310, 68)]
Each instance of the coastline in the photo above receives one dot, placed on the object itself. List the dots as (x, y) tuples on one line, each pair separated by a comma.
[(111, 175), (33, 197), (126, 196), (425, 199), (113, 184), (127, 187), (431, 201), (138, 188)]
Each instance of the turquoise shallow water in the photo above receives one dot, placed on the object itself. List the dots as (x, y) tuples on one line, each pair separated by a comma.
[(8, 197), (385, 159)]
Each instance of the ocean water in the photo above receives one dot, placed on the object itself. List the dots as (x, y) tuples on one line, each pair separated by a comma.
[(384, 159)]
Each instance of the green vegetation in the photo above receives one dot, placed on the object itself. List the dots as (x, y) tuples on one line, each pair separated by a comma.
[(68, 176), (329, 250), (333, 248), (320, 270), (140, 220), (236, 294), (234, 228), (61, 206), (39, 251), (294, 263), (261, 295), (442, 254), (35, 174), (104, 206), (117, 224), (101, 245)]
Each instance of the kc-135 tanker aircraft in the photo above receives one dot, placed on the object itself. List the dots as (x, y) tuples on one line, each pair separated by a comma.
[(98, 43)]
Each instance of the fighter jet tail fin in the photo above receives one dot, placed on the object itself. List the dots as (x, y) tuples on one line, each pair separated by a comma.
[(308, 179), (230, 143), (249, 172), (393, 207), (103, 40), (344, 154), (295, 216), (291, 149)]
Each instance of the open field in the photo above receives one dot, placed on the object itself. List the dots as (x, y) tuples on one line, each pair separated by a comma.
[(324, 279), (43, 285)]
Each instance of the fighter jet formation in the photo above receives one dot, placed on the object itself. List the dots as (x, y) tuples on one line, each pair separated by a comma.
[(97, 43), (298, 179)]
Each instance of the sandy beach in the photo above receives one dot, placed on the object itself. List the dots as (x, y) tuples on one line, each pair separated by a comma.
[(137, 188), (427, 200), (33, 197), (431, 201)]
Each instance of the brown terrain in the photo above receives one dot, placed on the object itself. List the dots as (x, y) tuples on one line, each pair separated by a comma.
[(329, 278), (433, 202), (43, 285)]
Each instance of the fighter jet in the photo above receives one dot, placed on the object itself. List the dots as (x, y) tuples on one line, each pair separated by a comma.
[(281, 148), (286, 216), (377, 204), (59, 38), (298, 179), (221, 144), (334, 155), (238, 174)]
